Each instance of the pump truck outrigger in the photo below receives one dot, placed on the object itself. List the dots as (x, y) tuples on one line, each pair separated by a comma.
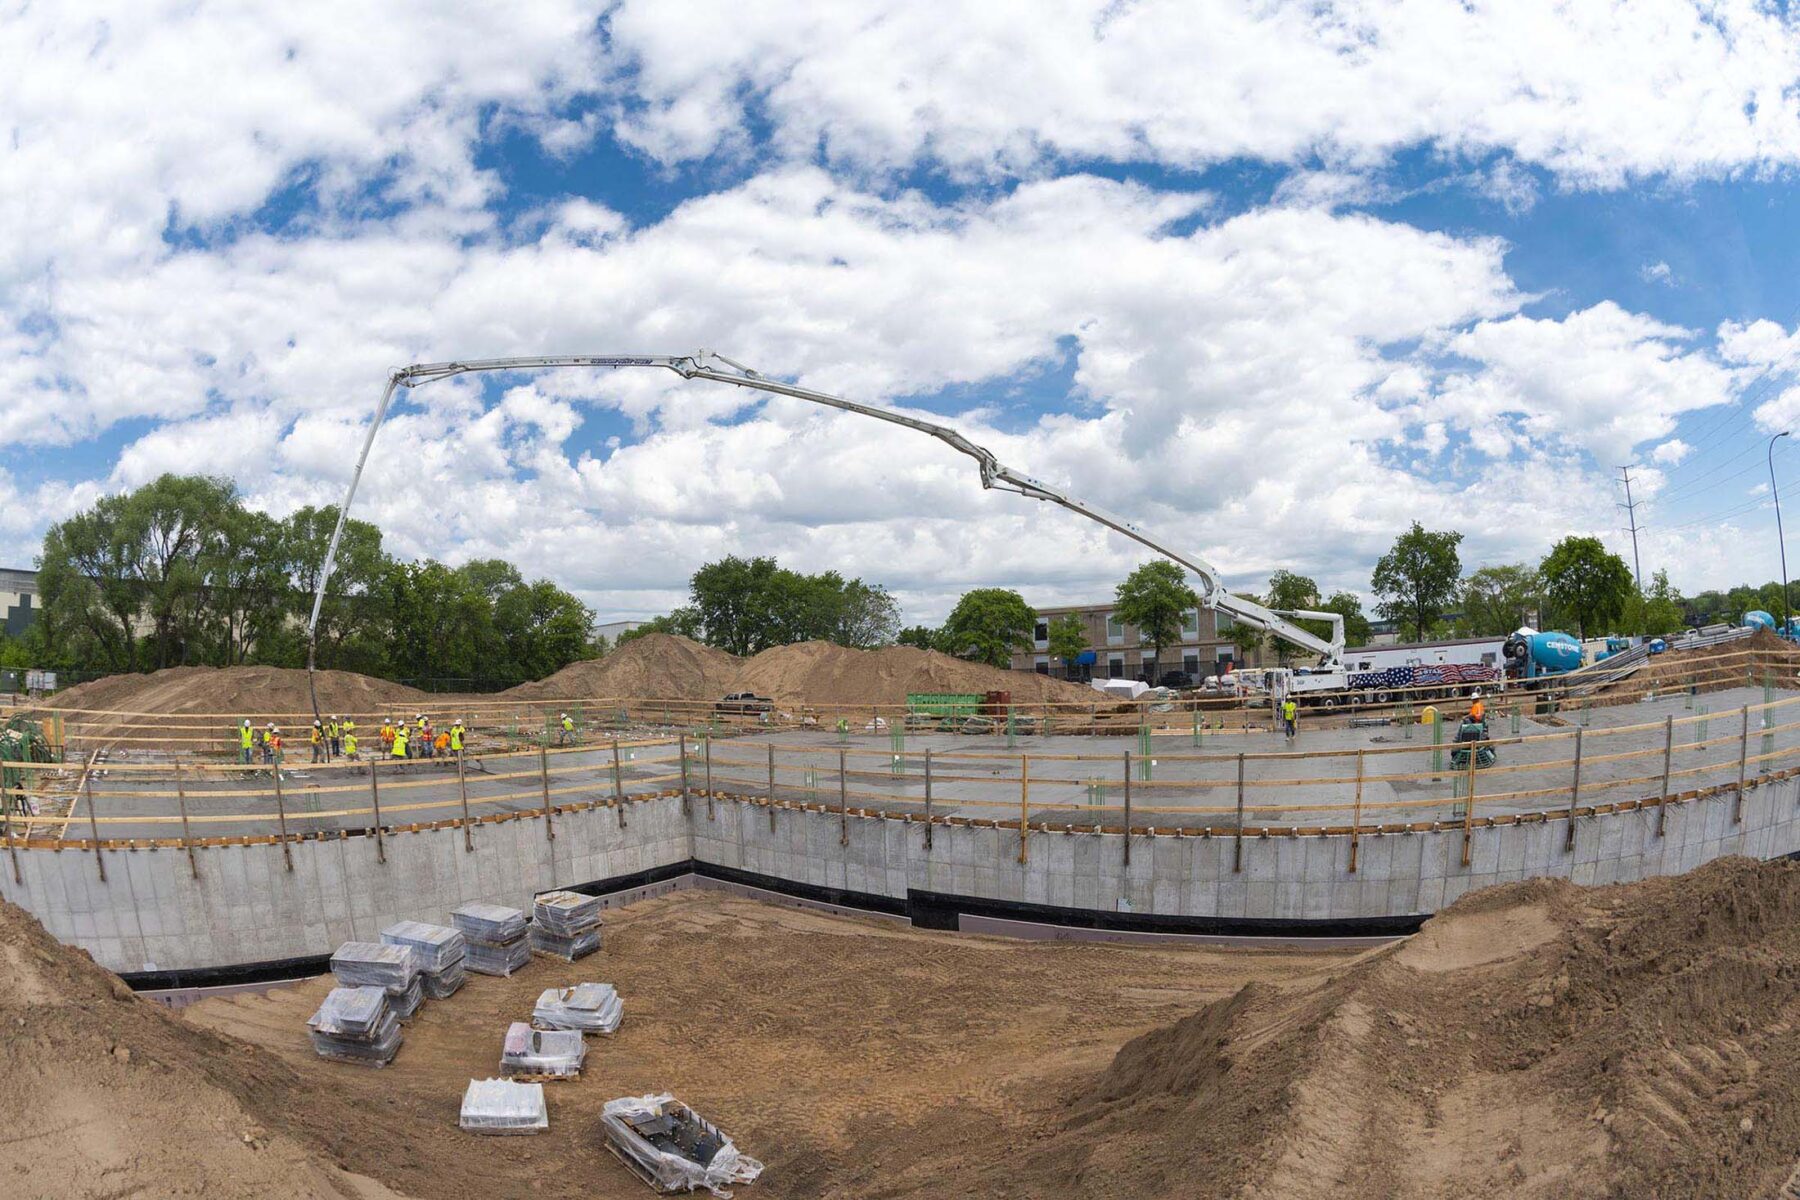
[(1326, 675)]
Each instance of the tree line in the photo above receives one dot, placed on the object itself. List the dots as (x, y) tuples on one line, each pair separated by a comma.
[(181, 572)]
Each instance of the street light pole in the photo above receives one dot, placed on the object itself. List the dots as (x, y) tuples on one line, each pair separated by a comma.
[(1780, 538)]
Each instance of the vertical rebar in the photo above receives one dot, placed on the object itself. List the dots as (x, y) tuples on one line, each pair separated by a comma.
[(707, 756), (87, 784), (1356, 812), (928, 797), (1737, 804), (544, 776), (1128, 808), (462, 787), (1662, 808), (187, 840), (844, 804), (1024, 802), (374, 799), (287, 852), (771, 787), (1469, 803), (6, 817), (1574, 794), (618, 784), (1237, 848)]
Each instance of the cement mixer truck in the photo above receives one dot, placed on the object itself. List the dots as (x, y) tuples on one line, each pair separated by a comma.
[(1533, 655)]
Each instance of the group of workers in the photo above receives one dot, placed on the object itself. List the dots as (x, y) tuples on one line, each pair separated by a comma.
[(336, 738), (1290, 714)]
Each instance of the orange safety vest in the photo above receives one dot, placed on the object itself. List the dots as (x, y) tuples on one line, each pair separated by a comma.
[(1477, 711)]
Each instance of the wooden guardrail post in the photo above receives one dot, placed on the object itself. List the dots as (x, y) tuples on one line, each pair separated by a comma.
[(187, 839), (1237, 847), (771, 787), (6, 817), (1737, 804), (1574, 794), (544, 775), (1356, 812), (928, 797), (1024, 803), (462, 788), (374, 801), (709, 791), (87, 785), (1662, 808), (287, 851), (844, 805), (618, 784), (1128, 808), (681, 745), (1469, 802)]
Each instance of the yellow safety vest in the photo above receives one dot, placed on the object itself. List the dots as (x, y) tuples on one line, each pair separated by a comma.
[(349, 743), (1288, 709), (569, 724), (244, 734), (456, 737), (400, 742)]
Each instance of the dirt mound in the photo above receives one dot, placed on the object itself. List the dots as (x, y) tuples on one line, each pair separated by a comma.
[(657, 666), (107, 1095), (822, 673), (1536, 1039), (1735, 663), (236, 691)]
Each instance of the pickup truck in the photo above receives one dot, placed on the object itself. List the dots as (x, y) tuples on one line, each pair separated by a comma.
[(744, 702)]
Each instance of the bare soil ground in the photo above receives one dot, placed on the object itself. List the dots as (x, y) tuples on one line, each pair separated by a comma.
[(1535, 1040)]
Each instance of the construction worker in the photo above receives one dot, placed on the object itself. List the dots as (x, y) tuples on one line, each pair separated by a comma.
[(350, 746), (456, 737), (272, 744), (387, 734), (246, 736), (399, 750), (348, 727), (1478, 709), (268, 742), (440, 744), (568, 730), (334, 738), (1290, 717), (317, 737)]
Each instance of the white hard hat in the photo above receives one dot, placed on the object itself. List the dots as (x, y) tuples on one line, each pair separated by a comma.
[(246, 720)]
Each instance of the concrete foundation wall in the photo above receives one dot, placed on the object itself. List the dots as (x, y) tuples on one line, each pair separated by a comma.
[(152, 914)]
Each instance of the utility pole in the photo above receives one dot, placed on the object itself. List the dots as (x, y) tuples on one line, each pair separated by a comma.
[(1630, 508), (1780, 538)]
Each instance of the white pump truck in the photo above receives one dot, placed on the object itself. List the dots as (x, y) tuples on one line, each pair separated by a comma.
[(1326, 676)]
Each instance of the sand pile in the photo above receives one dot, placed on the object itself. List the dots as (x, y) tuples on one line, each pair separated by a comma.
[(236, 691), (822, 673), (107, 1095), (657, 666), (1533, 1040)]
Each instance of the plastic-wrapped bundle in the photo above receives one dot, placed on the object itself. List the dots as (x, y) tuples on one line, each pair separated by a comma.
[(673, 1148), (502, 1106), (569, 947), (566, 913), (441, 985), (350, 1011), (437, 946), (589, 1007), (356, 1025), (488, 959), (493, 924), (528, 1051), (372, 964), (405, 1002)]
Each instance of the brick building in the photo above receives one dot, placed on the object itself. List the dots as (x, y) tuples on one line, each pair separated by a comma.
[(1117, 652)]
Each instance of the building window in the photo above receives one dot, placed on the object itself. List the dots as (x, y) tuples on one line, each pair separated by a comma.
[(1190, 622), (1042, 632), (1190, 663), (1115, 668), (1223, 624), (1115, 629)]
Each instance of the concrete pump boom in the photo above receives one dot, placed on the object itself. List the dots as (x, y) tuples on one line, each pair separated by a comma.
[(719, 369)]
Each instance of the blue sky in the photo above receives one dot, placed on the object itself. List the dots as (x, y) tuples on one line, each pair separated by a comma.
[(1273, 282)]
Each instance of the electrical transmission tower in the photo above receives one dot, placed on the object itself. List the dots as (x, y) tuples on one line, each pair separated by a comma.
[(1630, 507)]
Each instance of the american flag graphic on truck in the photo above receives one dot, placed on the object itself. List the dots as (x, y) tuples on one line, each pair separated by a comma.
[(1426, 675)]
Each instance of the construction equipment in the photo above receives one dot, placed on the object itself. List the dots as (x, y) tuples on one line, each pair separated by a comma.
[(1472, 737), (1327, 675)]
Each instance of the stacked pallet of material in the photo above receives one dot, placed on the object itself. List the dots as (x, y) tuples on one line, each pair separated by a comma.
[(566, 924), (495, 938), (554, 1053), (356, 1025), (393, 968), (673, 1148), (440, 951), (588, 1007), (498, 1106)]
